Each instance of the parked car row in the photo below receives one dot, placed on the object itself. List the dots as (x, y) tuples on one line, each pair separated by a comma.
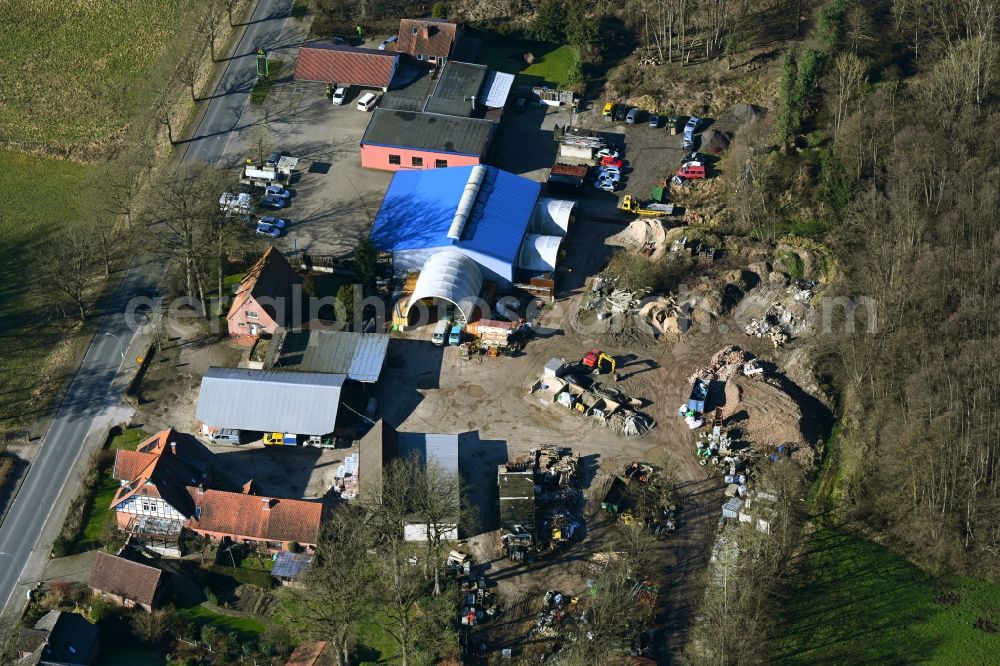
[(447, 332), (338, 96), (633, 115)]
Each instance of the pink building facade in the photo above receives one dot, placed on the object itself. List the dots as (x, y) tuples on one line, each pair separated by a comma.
[(395, 158)]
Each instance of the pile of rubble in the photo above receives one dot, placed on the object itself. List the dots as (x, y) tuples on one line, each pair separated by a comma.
[(630, 424), (559, 501), (557, 609), (727, 363), (557, 466), (606, 299), (776, 325)]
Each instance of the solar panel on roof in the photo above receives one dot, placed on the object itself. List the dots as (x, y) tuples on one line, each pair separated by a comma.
[(290, 565)]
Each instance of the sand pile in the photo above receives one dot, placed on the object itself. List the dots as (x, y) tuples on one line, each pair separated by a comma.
[(646, 237)]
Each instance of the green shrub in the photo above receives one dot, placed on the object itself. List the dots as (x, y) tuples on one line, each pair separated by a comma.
[(836, 187), (550, 22), (439, 10), (240, 575), (832, 25)]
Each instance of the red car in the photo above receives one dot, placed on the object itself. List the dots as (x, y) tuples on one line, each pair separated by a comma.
[(692, 170), (608, 160)]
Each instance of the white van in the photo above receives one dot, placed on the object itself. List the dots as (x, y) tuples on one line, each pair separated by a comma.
[(225, 436), (441, 332), (367, 101)]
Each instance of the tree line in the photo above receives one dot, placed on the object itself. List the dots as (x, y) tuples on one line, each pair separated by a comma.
[(885, 136)]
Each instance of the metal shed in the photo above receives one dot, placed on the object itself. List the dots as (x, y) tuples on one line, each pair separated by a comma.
[(449, 276), (539, 254), (266, 401)]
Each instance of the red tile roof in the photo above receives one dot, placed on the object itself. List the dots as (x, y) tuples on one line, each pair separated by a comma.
[(125, 578), (264, 518), (426, 37), (271, 276), (129, 464), (346, 65), (162, 466), (307, 654)]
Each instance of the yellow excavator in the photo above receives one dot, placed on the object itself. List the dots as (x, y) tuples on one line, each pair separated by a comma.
[(598, 360)]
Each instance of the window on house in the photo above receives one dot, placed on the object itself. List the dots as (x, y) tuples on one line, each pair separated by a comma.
[(417, 161), (273, 545), (251, 314), (395, 159), (146, 507), (440, 164), (420, 56)]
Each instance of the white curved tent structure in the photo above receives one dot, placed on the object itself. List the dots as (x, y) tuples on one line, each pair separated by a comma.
[(449, 276), (539, 253), (552, 217)]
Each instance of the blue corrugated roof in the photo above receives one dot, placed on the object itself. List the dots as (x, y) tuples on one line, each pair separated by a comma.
[(419, 207)]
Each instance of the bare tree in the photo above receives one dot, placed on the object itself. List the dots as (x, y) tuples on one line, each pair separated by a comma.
[(231, 6), (165, 118), (437, 503), (337, 583), (180, 217), (850, 75), (67, 265), (210, 26), (404, 584), (186, 72)]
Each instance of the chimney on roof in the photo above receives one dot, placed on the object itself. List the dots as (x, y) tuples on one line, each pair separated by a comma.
[(427, 31), (267, 503), (201, 489), (173, 448)]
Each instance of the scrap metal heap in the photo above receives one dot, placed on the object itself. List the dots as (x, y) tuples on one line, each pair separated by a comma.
[(642, 493), (540, 504)]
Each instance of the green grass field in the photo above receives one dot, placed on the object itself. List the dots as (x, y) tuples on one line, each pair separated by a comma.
[(855, 602), (38, 195), (129, 440), (77, 72), (244, 626), (551, 66), (99, 512)]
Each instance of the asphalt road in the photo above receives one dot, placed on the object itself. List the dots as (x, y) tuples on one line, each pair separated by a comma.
[(94, 399), (225, 114)]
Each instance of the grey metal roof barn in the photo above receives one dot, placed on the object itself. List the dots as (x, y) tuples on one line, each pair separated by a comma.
[(442, 449), (267, 401), (360, 356)]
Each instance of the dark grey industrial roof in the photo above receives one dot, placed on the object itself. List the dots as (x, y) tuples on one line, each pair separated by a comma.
[(517, 500), (459, 82), (428, 131), (451, 94), (413, 86), (267, 401), (358, 355)]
